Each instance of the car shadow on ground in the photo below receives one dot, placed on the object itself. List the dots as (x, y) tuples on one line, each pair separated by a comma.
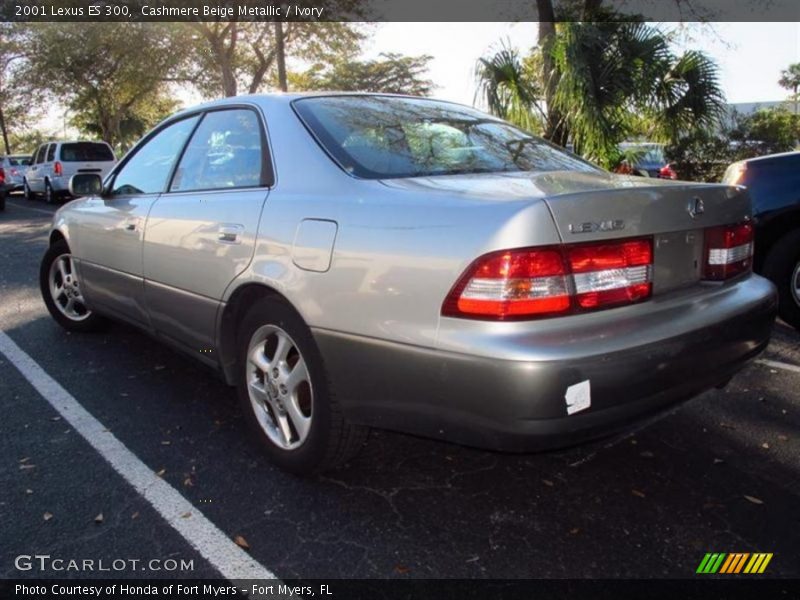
[(648, 504)]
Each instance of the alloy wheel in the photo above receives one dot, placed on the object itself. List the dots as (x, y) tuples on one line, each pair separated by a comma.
[(279, 387), (65, 289)]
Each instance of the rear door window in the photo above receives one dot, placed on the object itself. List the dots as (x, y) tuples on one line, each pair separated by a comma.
[(51, 152), (224, 153), (86, 152), (40, 154)]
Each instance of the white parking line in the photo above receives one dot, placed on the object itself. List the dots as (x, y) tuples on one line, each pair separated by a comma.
[(23, 207), (778, 365), (213, 545)]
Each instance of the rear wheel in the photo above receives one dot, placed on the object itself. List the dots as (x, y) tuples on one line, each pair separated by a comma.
[(26, 191), (62, 292), (2, 200), (285, 394), (782, 267), (49, 195)]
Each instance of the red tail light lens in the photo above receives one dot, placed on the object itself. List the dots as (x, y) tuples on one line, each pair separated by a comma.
[(613, 273), (58, 169), (534, 283), (2, 175), (728, 251), (511, 284)]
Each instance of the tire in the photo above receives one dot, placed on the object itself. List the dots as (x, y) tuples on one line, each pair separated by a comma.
[(49, 194), (57, 267), (319, 437), (782, 267), (26, 190), (2, 200)]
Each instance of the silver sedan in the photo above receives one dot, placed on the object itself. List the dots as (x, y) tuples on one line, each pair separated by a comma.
[(354, 261)]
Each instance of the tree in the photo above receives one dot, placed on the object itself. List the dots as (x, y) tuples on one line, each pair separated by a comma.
[(106, 72), (612, 79), (18, 99), (510, 88), (138, 119), (231, 57), (616, 77), (392, 73), (790, 80), (550, 13)]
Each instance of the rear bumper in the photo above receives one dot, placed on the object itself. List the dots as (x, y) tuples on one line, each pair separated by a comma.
[(520, 405)]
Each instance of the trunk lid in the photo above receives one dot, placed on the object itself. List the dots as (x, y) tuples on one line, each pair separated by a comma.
[(674, 214)]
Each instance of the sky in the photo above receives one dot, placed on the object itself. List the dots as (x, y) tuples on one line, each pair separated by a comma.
[(750, 55)]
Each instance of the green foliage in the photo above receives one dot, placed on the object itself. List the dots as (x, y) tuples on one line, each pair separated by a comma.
[(509, 87), (228, 58), (106, 73), (392, 73), (704, 155), (616, 78), (20, 101)]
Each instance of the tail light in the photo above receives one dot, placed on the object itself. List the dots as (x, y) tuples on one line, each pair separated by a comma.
[(58, 169), (667, 172), (532, 283), (728, 251), (14, 172), (2, 175)]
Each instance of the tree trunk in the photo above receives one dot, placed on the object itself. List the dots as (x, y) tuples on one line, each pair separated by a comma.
[(280, 56), (5, 132)]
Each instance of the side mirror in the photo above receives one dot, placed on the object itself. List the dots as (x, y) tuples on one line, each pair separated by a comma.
[(85, 184)]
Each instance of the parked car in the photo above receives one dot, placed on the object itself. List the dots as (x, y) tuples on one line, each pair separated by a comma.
[(14, 170), (774, 184), (645, 159), (360, 260), (55, 162), (11, 175)]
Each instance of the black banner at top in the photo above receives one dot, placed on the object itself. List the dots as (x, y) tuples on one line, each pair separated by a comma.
[(387, 10)]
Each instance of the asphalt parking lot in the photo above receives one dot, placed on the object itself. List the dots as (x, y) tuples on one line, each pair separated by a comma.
[(719, 474)]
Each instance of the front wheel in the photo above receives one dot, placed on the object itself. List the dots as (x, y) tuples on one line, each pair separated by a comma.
[(782, 267), (62, 291), (285, 394), (26, 191)]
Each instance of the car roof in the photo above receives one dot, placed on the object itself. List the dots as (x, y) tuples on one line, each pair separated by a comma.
[(284, 98), (772, 158)]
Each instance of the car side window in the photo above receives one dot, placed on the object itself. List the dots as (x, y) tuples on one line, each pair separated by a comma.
[(40, 154), (225, 152), (148, 170), (51, 152)]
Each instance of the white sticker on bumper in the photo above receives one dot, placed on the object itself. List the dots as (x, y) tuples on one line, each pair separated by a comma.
[(578, 397)]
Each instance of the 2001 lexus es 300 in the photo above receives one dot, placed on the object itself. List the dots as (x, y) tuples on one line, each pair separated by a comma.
[(353, 261)]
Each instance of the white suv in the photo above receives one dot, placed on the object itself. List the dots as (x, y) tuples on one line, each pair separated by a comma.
[(55, 162)]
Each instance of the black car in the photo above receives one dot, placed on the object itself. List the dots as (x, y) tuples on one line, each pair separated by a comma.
[(774, 185)]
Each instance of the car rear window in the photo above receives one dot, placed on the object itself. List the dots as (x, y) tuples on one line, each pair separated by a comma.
[(377, 137), (86, 152), (18, 161)]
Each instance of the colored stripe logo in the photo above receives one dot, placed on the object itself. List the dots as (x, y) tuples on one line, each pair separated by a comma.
[(734, 563)]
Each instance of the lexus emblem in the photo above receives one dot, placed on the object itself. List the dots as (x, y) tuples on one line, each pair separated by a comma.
[(696, 207)]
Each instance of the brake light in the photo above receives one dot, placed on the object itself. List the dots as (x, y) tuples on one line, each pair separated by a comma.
[(57, 169), (532, 283), (728, 251), (611, 273), (2, 175)]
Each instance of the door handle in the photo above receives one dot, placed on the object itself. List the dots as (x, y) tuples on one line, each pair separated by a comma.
[(229, 234), (130, 224)]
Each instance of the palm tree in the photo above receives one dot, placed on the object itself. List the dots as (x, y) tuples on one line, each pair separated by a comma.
[(509, 91), (612, 80), (790, 80)]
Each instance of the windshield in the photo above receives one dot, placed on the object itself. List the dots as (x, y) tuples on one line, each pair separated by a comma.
[(376, 137), (86, 152)]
